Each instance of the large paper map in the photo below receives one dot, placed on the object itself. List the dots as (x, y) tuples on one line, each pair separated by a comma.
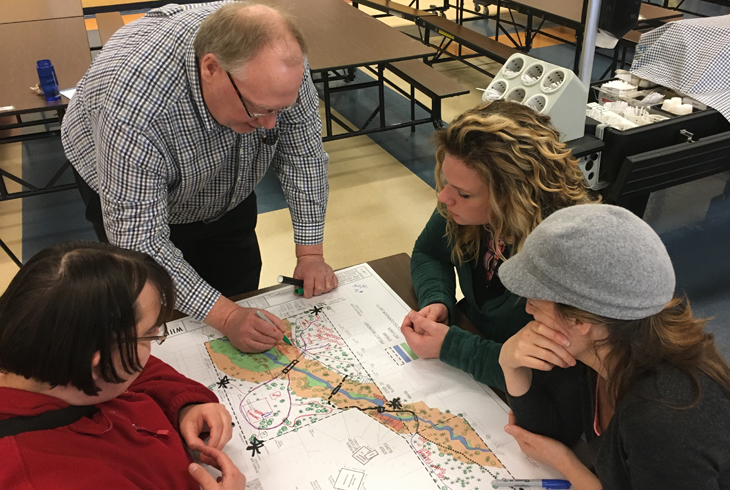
[(349, 406)]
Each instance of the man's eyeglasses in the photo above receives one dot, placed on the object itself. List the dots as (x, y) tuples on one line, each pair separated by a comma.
[(157, 338), (253, 115)]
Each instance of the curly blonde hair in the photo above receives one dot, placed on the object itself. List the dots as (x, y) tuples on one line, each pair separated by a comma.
[(528, 172)]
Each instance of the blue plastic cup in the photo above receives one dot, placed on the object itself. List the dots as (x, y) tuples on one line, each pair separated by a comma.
[(48, 80)]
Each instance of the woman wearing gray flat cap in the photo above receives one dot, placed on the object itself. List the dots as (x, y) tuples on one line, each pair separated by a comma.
[(637, 376)]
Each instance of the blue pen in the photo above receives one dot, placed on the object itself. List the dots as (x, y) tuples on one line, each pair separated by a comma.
[(556, 484)]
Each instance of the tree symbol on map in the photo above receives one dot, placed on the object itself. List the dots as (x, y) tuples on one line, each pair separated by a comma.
[(255, 446), (316, 309), (395, 404), (223, 383)]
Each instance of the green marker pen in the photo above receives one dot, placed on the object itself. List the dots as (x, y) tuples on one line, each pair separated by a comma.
[(266, 319)]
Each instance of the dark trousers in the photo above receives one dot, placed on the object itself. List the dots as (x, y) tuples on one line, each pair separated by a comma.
[(224, 252)]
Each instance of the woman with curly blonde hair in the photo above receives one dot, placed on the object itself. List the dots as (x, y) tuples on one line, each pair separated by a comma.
[(500, 171)]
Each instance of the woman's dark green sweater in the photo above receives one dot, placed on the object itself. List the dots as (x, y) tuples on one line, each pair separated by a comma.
[(498, 318)]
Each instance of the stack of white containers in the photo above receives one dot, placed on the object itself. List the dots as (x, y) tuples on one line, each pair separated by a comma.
[(549, 89), (675, 106)]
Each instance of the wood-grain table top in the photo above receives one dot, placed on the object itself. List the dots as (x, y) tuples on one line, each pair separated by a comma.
[(63, 41), (569, 11), (341, 36)]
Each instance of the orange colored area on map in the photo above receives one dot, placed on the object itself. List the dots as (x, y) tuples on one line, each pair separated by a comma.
[(450, 433)]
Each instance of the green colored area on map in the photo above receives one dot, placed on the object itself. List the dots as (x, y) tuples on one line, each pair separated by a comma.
[(313, 379), (358, 390), (311, 382), (409, 351), (258, 363)]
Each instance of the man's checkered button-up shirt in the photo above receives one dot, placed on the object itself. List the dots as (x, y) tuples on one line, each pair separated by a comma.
[(139, 133)]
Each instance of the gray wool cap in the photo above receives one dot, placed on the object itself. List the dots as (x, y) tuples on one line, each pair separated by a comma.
[(599, 258)]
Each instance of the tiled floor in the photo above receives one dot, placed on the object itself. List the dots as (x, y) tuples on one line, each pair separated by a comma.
[(11, 213), (380, 199), (377, 207)]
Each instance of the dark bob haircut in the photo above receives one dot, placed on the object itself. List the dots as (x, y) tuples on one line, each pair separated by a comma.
[(70, 301)]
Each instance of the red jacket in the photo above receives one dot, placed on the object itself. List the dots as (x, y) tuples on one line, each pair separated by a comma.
[(106, 451)]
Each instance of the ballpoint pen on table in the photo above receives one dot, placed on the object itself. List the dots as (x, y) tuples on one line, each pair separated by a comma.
[(544, 483)]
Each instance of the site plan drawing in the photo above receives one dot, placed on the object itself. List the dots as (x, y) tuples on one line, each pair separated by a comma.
[(349, 406)]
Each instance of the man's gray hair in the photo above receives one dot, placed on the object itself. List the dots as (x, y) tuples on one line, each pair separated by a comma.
[(235, 36)]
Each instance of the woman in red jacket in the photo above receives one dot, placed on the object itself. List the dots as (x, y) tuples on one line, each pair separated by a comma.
[(82, 402)]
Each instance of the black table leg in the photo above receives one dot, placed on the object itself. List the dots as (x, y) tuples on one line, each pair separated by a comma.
[(327, 106), (10, 254)]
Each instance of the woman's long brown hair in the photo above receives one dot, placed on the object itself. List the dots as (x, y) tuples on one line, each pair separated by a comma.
[(638, 347)]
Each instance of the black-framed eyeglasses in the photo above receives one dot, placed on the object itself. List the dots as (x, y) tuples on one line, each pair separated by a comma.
[(156, 338), (253, 115)]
